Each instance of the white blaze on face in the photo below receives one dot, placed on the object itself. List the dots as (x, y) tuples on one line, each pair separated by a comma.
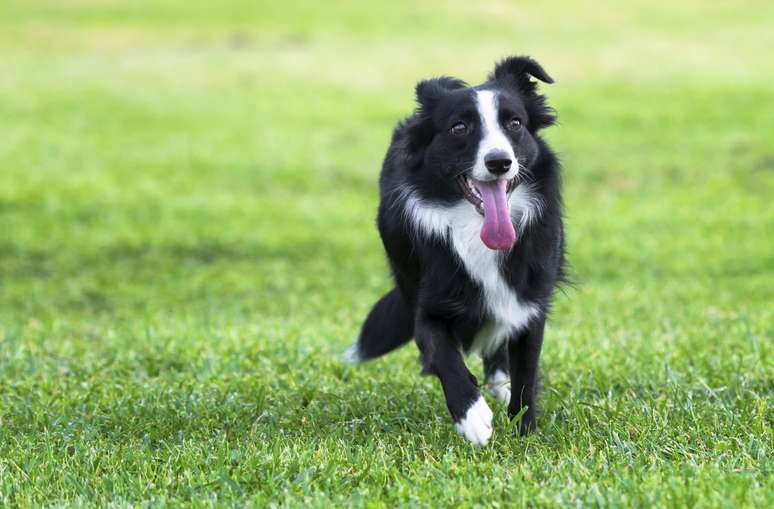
[(492, 137)]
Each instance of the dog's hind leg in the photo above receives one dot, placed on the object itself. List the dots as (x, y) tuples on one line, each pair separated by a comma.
[(390, 324), (498, 375)]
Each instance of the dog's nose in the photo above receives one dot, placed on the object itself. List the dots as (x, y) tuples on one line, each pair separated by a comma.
[(497, 162)]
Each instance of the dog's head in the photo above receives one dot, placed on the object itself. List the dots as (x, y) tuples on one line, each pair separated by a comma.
[(478, 143)]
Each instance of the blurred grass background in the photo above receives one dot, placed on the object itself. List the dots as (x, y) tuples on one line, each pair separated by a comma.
[(187, 242)]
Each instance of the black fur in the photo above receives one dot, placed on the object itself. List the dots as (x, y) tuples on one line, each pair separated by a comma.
[(435, 299)]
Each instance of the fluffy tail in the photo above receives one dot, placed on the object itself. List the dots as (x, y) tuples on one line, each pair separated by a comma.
[(389, 325)]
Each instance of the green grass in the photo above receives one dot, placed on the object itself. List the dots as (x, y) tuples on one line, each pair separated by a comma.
[(187, 243)]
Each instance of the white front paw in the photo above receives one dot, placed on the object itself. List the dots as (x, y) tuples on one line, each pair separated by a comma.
[(476, 426), (499, 386)]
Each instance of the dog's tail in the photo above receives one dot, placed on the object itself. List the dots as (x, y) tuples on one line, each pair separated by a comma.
[(389, 325)]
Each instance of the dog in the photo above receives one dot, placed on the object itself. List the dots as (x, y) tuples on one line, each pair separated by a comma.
[(470, 217)]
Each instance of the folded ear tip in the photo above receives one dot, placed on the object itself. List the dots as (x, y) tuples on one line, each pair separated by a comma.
[(521, 64)]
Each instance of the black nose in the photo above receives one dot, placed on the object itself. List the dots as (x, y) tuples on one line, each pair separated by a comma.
[(497, 162)]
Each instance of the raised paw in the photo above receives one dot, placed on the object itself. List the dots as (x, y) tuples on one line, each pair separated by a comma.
[(352, 355), (476, 425), (499, 386)]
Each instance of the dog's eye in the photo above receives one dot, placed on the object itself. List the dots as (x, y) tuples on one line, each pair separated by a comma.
[(513, 125), (459, 129)]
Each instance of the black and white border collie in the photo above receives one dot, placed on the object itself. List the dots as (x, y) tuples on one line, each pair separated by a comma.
[(471, 220)]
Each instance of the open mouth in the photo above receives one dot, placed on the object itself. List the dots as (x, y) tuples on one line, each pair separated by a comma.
[(490, 198), (471, 191)]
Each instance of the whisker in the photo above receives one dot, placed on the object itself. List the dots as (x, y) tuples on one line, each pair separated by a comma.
[(529, 177), (465, 170)]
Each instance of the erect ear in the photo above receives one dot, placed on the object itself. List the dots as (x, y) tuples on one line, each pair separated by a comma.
[(517, 72), (429, 92), (519, 69)]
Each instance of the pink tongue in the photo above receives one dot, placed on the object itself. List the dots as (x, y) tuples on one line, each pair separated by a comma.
[(497, 232)]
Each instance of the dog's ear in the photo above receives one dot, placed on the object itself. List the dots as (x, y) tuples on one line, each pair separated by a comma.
[(518, 70), (420, 125), (429, 92)]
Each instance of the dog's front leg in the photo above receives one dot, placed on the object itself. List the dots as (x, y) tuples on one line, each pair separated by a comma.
[(523, 357), (442, 357)]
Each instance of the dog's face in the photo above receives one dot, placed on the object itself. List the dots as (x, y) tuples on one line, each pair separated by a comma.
[(478, 143)]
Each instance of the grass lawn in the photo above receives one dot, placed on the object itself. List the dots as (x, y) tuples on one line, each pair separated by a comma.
[(187, 244)]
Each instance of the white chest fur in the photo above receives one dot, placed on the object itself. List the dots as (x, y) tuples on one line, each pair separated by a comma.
[(460, 224)]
